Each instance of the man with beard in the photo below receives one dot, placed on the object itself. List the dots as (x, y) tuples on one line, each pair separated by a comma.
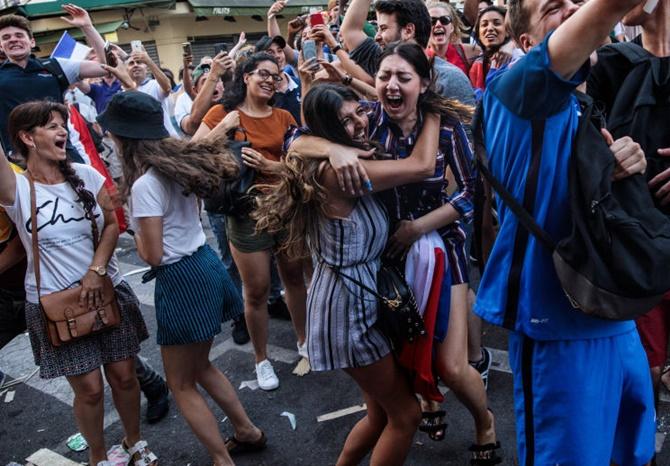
[(139, 64)]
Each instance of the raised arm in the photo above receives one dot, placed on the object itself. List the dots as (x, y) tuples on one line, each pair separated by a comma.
[(574, 40), (323, 34), (80, 18), (157, 73), (353, 23)]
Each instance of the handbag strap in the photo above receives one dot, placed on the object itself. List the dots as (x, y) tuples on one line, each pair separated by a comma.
[(34, 228)]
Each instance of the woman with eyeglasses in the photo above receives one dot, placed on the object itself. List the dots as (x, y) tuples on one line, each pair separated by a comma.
[(246, 110), (445, 37)]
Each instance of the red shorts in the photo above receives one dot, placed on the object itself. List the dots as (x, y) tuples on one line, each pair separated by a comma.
[(654, 328)]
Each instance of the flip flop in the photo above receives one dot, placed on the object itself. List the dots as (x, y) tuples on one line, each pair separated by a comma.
[(236, 447)]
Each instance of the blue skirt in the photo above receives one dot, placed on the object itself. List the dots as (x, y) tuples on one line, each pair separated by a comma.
[(193, 297)]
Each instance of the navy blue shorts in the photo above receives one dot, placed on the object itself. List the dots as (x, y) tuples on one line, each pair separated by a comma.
[(582, 402)]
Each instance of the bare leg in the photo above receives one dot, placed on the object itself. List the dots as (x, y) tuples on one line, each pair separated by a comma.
[(126, 394), (254, 269), (89, 412), (457, 374), (291, 273), (220, 389), (393, 406), (182, 365)]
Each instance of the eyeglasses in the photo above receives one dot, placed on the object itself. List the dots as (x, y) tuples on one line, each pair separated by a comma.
[(266, 75), (444, 20)]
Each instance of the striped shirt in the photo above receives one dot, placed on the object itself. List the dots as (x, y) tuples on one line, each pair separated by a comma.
[(411, 201)]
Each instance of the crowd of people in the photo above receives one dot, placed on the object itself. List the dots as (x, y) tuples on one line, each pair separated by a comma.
[(359, 132)]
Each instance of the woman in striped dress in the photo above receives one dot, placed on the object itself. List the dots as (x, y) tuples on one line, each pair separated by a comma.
[(406, 98), (194, 293), (348, 231)]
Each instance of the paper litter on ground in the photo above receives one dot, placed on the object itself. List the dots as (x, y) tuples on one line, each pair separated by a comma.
[(341, 413), (46, 457), (250, 384), (10, 396), (291, 419)]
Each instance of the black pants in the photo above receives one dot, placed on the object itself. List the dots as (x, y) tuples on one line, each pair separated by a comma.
[(12, 315)]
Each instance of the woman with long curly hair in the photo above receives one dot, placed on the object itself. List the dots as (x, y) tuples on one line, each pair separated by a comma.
[(349, 231), (68, 197), (164, 178), (406, 97), (247, 110)]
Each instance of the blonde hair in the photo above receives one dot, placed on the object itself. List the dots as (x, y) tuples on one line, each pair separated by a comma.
[(458, 27)]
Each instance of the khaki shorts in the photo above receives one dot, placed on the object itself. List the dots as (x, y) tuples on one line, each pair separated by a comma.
[(241, 232)]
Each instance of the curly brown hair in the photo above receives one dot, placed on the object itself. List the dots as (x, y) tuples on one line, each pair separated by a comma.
[(196, 166), (293, 207)]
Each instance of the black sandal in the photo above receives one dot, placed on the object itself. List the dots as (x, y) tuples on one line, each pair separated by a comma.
[(236, 447), (432, 423), (485, 455)]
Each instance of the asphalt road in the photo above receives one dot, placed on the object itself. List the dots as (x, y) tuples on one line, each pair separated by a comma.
[(40, 414)]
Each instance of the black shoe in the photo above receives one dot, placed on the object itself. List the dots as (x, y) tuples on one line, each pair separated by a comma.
[(240, 332), (278, 310), (483, 366), (158, 404)]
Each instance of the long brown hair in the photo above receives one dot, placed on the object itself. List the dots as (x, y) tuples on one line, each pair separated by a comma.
[(294, 206), (38, 113), (196, 166)]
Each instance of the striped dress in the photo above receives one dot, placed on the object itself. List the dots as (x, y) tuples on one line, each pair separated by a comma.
[(341, 317)]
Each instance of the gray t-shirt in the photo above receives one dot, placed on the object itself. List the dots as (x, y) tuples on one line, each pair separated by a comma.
[(451, 82)]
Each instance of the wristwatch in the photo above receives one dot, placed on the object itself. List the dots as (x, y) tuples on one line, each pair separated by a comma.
[(347, 79), (336, 49), (101, 270)]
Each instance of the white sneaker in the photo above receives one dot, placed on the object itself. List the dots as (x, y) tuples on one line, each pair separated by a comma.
[(265, 375), (302, 350)]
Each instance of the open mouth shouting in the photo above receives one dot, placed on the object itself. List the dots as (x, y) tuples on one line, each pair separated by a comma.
[(394, 101)]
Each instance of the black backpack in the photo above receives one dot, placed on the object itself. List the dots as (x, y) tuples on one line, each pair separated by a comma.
[(614, 264), (641, 108), (233, 196)]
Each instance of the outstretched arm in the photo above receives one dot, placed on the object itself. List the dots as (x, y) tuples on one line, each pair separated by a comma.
[(574, 41)]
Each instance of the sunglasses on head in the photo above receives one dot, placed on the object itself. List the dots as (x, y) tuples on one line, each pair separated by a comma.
[(444, 20)]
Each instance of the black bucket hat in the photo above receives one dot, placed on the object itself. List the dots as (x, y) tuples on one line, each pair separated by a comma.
[(134, 115), (265, 42)]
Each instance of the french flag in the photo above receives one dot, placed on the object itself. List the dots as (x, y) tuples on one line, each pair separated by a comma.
[(67, 47)]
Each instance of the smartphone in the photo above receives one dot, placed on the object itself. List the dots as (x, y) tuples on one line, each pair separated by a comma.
[(186, 48), (315, 19), (109, 55), (220, 47), (308, 49), (136, 46)]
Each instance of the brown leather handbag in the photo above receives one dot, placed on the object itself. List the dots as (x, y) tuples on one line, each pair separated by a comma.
[(65, 318)]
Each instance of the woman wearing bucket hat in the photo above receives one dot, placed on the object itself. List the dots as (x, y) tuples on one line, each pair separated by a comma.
[(194, 294), (68, 196)]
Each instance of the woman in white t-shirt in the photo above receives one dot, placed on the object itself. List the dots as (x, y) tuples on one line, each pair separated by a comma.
[(194, 294), (67, 197)]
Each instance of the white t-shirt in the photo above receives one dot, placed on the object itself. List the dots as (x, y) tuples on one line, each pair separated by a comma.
[(152, 88), (64, 235), (154, 195), (183, 107)]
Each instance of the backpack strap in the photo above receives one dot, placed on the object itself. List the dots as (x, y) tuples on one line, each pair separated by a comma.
[(521, 212), (53, 67)]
